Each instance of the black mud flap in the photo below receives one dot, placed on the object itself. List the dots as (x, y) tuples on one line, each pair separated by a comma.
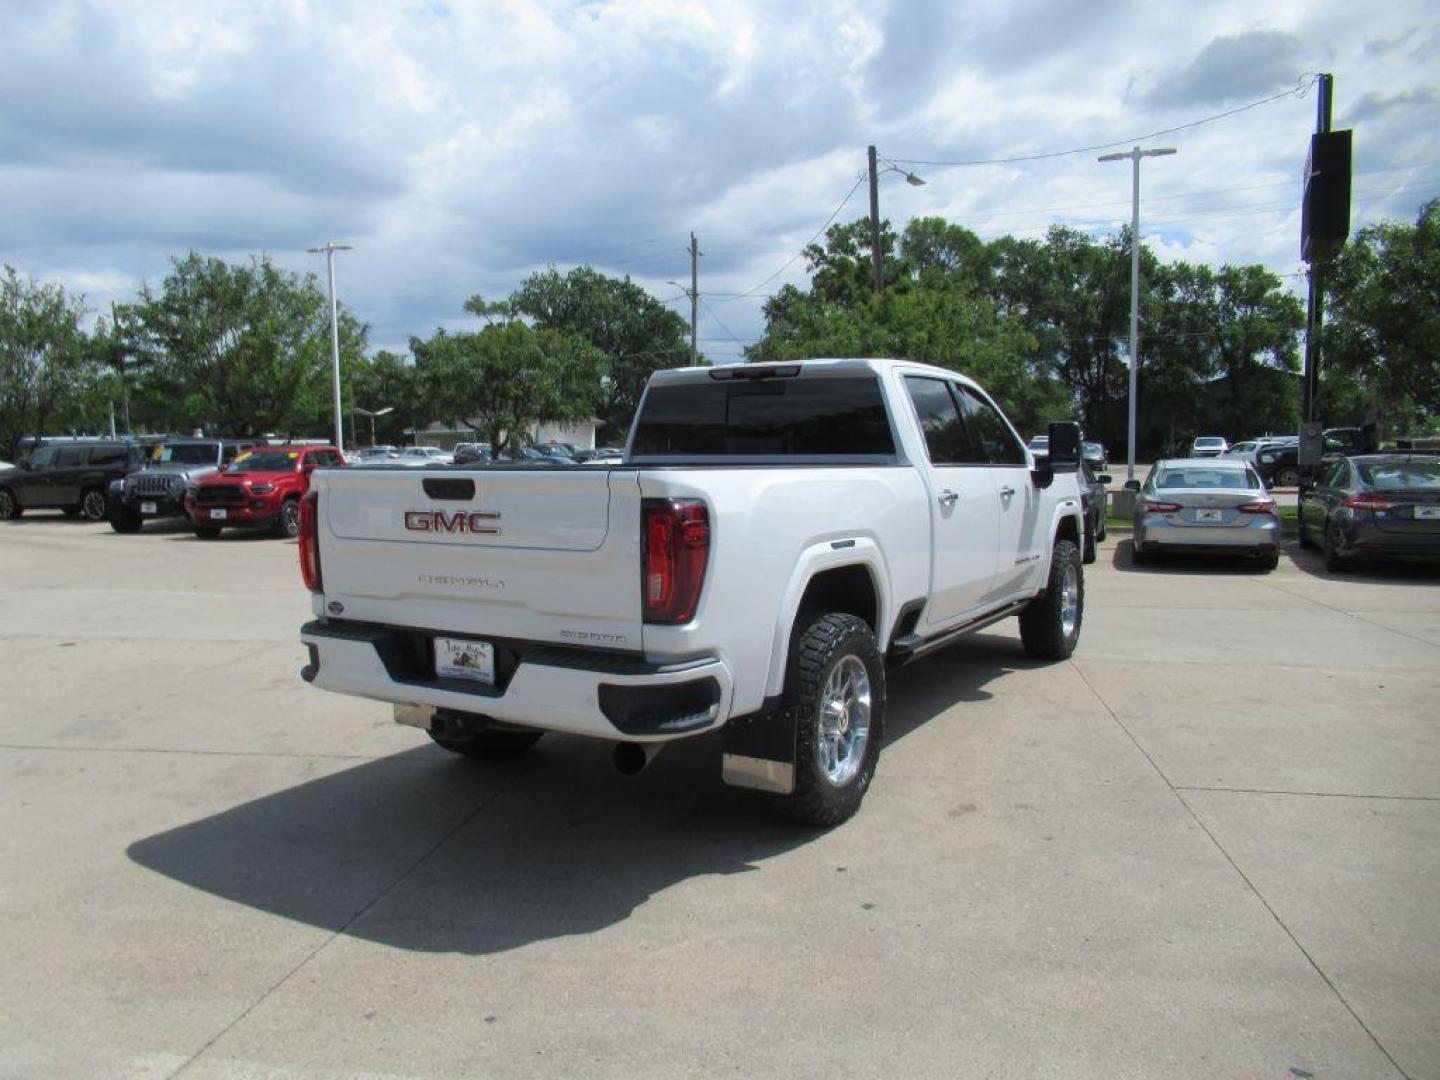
[(760, 751)]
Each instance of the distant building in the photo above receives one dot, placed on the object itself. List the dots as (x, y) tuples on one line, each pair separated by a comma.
[(581, 435)]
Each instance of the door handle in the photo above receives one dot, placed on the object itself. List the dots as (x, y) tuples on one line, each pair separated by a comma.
[(1006, 492), (948, 498)]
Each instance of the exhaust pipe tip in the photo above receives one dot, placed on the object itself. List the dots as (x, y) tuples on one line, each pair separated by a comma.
[(631, 758)]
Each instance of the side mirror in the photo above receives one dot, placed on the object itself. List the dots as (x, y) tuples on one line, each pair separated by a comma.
[(24, 463), (224, 466), (1104, 478), (1132, 485), (1064, 446)]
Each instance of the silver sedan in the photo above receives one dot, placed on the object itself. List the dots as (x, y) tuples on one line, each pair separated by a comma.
[(1206, 505)]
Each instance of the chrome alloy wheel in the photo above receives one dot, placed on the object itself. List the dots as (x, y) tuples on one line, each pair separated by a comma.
[(1070, 602), (93, 505), (844, 719)]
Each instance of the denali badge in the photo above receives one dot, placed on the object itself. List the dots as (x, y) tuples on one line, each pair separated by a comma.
[(459, 521)]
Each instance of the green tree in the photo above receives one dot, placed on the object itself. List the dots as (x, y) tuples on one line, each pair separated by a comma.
[(387, 380), (507, 376), (636, 334), (1382, 325), (47, 364), (241, 349)]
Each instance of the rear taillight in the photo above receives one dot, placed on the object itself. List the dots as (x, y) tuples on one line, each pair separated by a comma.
[(1261, 506), (677, 546), (1368, 502), (310, 542), (1153, 507)]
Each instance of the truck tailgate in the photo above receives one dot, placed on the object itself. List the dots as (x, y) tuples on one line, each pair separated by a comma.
[(539, 555)]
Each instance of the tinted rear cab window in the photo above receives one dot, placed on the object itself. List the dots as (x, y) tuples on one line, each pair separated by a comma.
[(816, 417)]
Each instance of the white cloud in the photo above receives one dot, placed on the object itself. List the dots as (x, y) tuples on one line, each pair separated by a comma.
[(460, 145)]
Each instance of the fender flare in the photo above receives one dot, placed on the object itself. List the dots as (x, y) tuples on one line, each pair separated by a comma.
[(861, 551), (1065, 507)]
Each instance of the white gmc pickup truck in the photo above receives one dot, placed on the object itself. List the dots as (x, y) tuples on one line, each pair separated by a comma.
[(778, 536)]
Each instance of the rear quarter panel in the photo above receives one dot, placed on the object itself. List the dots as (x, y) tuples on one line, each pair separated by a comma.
[(772, 529)]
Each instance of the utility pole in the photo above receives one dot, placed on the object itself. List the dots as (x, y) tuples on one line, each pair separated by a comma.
[(875, 220), (1134, 157), (329, 249), (694, 299)]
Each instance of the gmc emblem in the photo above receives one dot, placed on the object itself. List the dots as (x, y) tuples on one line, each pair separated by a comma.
[(441, 521)]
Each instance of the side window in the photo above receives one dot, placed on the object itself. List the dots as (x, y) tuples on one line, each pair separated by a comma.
[(1338, 475), (997, 443), (109, 455), (43, 458), (946, 438), (70, 456)]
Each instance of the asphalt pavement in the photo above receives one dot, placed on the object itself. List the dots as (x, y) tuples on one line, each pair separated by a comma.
[(1207, 846)]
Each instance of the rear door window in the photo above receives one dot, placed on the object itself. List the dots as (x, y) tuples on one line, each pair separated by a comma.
[(70, 456), (109, 455)]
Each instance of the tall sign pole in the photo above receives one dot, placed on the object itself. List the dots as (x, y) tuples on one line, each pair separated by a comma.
[(1324, 226), (329, 249), (1134, 157)]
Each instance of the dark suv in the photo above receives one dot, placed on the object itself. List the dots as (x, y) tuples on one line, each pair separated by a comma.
[(157, 489), (74, 477)]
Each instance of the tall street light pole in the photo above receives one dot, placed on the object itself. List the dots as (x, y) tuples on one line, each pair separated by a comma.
[(329, 249), (875, 171), (1134, 156)]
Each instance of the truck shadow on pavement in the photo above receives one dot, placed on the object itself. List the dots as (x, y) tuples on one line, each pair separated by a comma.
[(428, 852)]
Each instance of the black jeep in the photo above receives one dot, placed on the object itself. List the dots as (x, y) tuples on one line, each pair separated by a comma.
[(73, 476), (157, 489)]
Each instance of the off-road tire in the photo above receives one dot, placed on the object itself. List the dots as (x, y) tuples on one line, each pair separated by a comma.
[(1270, 558), (125, 521), (829, 645), (10, 507), (207, 532), (94, 506), (1289, 476), (491, 745), (1049, 625)]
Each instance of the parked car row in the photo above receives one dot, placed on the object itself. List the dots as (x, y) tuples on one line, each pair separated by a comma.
[(214, 483)]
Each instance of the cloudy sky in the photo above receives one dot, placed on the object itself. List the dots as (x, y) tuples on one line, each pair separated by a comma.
[(461, 145)]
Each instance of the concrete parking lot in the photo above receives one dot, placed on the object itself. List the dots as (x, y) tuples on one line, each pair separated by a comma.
[(1208, 846)]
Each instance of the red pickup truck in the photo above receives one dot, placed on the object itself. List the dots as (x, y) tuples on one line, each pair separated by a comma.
[(259, 488)]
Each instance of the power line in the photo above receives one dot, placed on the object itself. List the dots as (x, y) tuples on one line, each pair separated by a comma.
[(1297, 91), (835, 213)]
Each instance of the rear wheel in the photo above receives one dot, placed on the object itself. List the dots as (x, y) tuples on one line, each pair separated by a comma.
[(490, 745), (837, 688), (1050, 624), (1103, 530), (207, 532), (1304, 533), (1269, 558), (1090, 541), (94, 505), (1289, 476), (10, 507), (1334, 559)]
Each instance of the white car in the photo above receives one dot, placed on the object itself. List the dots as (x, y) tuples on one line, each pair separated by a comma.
[(425, 455), (1208, 446), (778, 537)]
